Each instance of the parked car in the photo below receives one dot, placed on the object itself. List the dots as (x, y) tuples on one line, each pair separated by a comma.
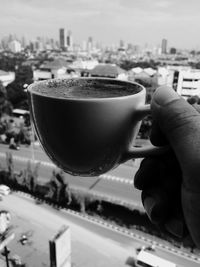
[(4, 190)]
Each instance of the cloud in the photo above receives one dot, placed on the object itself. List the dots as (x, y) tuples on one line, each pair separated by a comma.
[(163, 4)]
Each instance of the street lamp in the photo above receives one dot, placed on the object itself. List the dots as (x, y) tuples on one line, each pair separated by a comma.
[(5, 254)]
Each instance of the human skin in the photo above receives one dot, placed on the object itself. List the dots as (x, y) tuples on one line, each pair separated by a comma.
[(170, 183)]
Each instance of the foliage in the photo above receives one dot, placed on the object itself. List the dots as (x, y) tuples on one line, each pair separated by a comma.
[(15, 90), (195, 65), (9, 61), (5, 105), (10, 164), (129, 64), (83, 201)]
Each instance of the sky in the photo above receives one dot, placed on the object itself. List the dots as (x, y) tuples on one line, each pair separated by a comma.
[(135, 21)]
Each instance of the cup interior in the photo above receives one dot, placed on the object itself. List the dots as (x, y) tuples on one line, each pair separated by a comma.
[(98, 88)]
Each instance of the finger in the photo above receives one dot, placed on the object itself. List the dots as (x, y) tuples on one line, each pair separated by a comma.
[(159, 171), (157, 138), (191, 204), (176, 226), (156, 204), (149, 173), (197, 107), (180, 123)]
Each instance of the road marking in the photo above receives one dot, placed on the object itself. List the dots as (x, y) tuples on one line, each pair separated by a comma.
[(51, 165), (116, 179)]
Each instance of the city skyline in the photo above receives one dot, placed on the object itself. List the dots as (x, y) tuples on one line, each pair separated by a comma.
[(133, 21)]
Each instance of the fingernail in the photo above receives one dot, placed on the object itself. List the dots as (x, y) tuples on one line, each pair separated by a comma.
[(149, 204), (165, 95), (151, 207)]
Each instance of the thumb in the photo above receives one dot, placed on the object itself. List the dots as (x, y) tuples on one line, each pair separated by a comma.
[(180, 123)]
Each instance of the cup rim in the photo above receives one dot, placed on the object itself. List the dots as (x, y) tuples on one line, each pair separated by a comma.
[(31, 91)]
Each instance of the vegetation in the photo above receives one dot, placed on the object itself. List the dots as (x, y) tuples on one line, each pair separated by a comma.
[(9, 61), (16, 90), (5, 104), (58, 193), (129, 64)]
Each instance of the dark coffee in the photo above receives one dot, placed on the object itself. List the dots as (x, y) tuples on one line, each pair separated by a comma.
[(85, 89)]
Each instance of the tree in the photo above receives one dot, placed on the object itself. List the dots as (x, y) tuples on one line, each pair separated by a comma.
[(59, 190), (31, 176), (15, 90), (10, 165), (5, 105)]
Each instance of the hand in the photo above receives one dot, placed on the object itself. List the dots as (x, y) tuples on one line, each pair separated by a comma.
[(170, 183)]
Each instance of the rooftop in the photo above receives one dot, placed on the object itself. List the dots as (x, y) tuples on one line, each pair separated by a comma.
[(106, 70), (56, 64)]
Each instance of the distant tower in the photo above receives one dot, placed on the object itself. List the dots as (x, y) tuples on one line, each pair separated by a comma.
[(69, 40), (164, 46), (90, 43), (62, 38), (23, 42), (15, 46), (121, 44)]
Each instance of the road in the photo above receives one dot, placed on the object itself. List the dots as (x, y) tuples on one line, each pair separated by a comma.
[(92, 244), (116, 184)]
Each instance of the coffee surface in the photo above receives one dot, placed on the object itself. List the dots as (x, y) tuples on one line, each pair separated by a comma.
[(84, 89)]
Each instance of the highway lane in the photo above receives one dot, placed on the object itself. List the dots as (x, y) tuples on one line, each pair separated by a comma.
[(36, 153), (89, 248), (114, 189), (92, 243)]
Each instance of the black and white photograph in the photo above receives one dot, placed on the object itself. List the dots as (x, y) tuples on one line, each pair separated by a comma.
[(99, 133)]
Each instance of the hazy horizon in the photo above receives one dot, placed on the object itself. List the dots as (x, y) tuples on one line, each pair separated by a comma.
[(107, 21)]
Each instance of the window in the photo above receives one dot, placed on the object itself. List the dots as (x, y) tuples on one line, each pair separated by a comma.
[(190, 80)]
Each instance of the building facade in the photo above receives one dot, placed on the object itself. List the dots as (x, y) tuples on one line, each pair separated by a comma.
[(69, 41), (62, 38), (15, 46), (164, 46), (188, 83)]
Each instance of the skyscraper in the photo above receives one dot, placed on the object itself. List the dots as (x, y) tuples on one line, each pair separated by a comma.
[(90, 43), (15, 46), (62, 39), (164, 46), (69, 40)]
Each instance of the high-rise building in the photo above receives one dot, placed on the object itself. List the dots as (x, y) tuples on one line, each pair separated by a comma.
[(90, 43), (69, 40), (84, 45), (62, 39), (15, 46), (164, 46), (121, 44), (23, 42), (173, 50)]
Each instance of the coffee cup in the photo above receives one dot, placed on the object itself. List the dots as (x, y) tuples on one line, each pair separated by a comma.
[(88, 126)]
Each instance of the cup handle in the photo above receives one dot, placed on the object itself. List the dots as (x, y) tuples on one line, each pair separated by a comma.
[(142, 152)]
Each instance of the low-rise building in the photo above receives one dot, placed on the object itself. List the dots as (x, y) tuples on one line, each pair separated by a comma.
[(53, 69), (109, 71), (81, 64), (188, 83)]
